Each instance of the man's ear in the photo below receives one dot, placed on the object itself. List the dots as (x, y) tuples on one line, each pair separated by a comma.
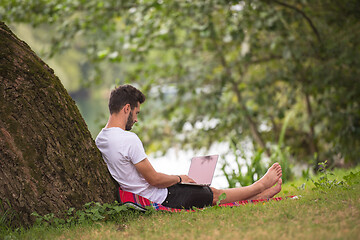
[(127, 108)]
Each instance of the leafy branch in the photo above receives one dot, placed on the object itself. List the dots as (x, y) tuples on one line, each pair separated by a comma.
[(302, 13)]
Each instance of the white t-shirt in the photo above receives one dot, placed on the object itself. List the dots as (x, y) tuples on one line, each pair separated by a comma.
[(121, 150)]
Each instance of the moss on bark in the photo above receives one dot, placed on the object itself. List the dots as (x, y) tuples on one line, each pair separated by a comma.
[(49, 161)]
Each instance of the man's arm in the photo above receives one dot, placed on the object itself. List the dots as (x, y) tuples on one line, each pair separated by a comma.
[(157, 179)]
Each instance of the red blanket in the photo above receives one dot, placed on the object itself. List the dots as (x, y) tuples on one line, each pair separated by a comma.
[(141, 203)]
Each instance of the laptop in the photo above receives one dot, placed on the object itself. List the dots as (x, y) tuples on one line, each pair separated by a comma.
[(202, 170)]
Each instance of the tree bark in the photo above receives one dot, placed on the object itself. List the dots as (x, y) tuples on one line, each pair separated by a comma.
[(49, 161), (313, 148)]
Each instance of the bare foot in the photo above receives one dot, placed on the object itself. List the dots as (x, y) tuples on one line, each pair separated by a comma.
[(270, 178), (270, 192)]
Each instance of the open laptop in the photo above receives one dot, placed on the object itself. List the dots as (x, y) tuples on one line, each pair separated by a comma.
[(202, 170)]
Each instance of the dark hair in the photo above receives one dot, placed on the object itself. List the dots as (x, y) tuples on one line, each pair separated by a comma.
[(122, 95)]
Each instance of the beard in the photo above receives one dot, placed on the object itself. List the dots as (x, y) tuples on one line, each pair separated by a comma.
[(129, 122)]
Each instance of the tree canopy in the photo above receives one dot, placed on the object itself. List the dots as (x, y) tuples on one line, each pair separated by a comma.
[(224, 70)]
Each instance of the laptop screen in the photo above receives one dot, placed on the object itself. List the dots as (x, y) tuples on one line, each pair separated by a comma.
[(202, 168)]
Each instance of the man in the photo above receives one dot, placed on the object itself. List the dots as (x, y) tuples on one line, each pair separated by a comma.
[(128, 164)]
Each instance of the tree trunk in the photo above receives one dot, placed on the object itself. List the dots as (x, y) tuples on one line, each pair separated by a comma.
[(256, 135), (313, 148), (49, 161)]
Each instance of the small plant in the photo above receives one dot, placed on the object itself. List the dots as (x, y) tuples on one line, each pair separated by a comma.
[(352, 178), (324, 182), (306, 174), (221, 197), (254, 165), (7, 216), (91, 212), (300, 188)]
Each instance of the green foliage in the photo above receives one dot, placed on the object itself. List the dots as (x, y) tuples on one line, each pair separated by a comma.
[(324, 182), (7, 217), (91, 212), (255, 165), (218, 71), (221, 197), (255, 168), (352, 178)]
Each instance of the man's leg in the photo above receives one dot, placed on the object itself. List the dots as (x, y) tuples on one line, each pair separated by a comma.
[(271, 177)]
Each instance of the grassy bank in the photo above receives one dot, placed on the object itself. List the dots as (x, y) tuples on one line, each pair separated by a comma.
[(325, 213)]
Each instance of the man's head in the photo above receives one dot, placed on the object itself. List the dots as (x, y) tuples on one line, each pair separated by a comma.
[(125, 94), (129, 97)]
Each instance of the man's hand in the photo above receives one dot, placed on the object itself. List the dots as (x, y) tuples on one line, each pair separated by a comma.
[(186, 179), (157, 179)]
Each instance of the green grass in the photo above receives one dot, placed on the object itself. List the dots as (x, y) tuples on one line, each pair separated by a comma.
[(318, 214)]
